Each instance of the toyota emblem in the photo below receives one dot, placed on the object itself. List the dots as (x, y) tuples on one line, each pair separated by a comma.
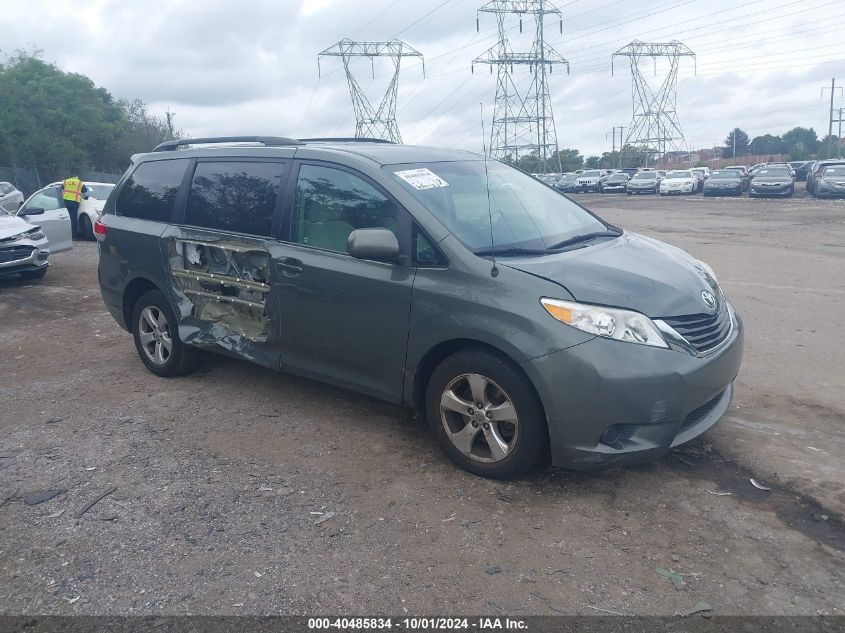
[(709, 299)]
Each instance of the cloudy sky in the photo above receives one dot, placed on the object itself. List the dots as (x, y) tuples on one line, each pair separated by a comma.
[(249, 67)]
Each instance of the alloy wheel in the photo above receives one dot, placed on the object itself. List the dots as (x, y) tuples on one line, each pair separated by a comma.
[(154, 333), (479, 418)]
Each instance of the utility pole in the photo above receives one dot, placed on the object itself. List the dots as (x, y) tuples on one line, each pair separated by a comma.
[(371, 122), (523, 123), (830, 125), (654, 128)]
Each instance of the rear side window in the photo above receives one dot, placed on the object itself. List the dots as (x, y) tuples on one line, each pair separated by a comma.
[(151, 190), (234, 196), (330, 203)]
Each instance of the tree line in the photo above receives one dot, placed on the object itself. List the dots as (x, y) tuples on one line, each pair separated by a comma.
[(61, 123), (799, 143)]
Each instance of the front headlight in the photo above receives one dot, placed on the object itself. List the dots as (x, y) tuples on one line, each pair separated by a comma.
[(613, 323), (31, 234)]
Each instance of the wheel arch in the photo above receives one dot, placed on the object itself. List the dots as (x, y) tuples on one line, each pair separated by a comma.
[(436, 354), (133, 291)]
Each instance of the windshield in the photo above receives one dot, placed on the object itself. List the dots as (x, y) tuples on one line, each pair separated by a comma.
[(775, 171), (834, 171), (99, 192), (592, 172), (725, 175), (679, 174), (618, 178), (645, 175), (525, 214)]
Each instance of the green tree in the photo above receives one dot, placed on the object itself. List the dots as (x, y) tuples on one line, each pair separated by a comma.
[(570, 159), (61, 122), (824, 150), (800, 143), (592, 162), (736, 144), (767, 144)]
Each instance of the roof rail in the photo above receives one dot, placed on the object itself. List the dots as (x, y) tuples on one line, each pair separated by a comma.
[(346, 139), (269, 141)]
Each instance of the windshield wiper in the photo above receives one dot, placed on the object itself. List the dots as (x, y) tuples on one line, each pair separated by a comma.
[(505, 251), (584, 238)]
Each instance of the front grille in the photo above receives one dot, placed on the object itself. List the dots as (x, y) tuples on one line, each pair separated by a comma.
[(703, 331), (14, 253)]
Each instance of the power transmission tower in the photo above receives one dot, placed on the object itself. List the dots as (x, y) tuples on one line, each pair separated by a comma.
[(523, 122), (373, 122), (654, 128)]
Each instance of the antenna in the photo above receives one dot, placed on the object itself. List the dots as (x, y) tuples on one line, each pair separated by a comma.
[(494, 272)]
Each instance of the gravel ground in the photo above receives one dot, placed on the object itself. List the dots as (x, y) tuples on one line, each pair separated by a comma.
[(242, 491)]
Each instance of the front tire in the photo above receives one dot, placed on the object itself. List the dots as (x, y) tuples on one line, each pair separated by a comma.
[(156, 337), (485, 415)]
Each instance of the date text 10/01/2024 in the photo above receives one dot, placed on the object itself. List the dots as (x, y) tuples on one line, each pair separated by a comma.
[(417, 624)]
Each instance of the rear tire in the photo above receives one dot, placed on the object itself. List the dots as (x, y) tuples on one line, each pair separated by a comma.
[(156, 335), (86, 229), (511, 415)]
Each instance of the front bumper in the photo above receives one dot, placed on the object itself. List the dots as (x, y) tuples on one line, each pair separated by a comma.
[(771, 190), (719, 191), (23, 256), (830, 190), (649, 189), (664, 398), (609, 188)]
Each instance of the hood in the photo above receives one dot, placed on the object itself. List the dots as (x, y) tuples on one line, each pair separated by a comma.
[(631, 271), (12, 225)]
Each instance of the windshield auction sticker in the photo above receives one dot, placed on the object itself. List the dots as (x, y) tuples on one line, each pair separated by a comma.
[(422, 179)]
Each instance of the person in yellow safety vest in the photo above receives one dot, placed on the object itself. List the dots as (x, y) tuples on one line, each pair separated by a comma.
[(73, 190)]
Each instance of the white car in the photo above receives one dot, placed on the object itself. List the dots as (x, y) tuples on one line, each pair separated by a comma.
[(679, 181), (589, 180), (29, 236), (10, 198), (91, 206)]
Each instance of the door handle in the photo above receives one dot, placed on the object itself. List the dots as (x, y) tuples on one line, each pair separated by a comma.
[(289, 266)]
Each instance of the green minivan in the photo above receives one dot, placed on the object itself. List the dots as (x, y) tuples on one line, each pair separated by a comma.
[(516, 322)]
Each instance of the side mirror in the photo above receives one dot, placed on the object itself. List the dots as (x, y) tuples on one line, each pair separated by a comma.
[(31, 211), (378, 244)]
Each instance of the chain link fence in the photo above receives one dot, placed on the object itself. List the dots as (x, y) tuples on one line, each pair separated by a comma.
[(29, 180)]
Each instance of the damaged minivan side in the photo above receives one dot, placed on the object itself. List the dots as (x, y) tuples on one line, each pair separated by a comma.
[(516, 322)]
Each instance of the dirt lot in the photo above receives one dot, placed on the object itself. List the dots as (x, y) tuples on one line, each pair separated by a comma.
[(222, 476)]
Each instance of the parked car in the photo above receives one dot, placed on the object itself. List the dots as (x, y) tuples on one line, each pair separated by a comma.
[(590, 179), (615, 183), (567, 183), (830, 182), (743, 172), (772, 180), (90, 207), (703, 173), (679, 181), (817, 167), (724, 182), (644, 182), (514, 320), (630, 171), (28, 237), (10, 198), (801, 168)]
